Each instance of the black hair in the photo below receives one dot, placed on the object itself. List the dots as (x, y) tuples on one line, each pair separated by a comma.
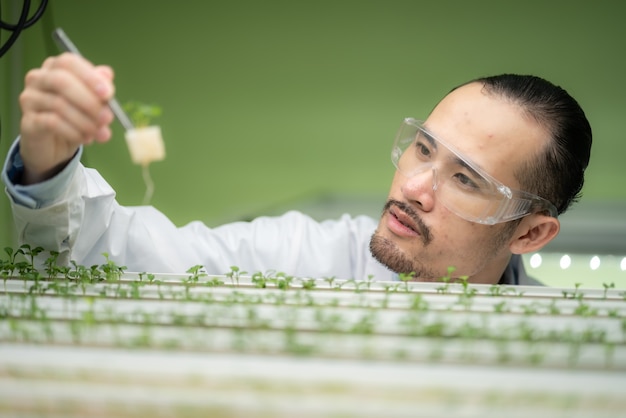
[(557, 171)]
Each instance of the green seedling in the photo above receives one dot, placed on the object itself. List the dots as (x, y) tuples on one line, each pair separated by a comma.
[(197, 272), (135, 292), (260, 280), (282, 281), (31, 253), (584, 309), (553, 309), (330, 281), (361, 286), (530, 309), (436, 329), (365, 325), (406, 278), (495, 290), (112, 272), (13, 255), (412, 323), (613, 313), (142, 114), (308, 284), (446, 280), (12, 266), (419, 304), (148, 276), (214, 282), (607, 287), (573, 295), (234, 274)]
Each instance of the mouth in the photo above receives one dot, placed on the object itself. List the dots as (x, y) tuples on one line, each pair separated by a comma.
[(404, 222), (403, 219)]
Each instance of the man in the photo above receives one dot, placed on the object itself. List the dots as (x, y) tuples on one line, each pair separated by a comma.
[(480, 182)]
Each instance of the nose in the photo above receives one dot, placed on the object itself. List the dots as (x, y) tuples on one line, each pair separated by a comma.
[(419, 189)]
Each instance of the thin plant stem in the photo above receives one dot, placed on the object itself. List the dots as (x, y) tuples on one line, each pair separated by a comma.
[(147, 179)]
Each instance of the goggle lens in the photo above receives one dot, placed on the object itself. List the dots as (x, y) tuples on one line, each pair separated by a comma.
[(458, 183)]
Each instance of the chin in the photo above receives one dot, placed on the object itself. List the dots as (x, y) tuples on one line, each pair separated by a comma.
[(388, 253)]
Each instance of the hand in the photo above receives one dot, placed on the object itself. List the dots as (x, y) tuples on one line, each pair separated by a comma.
[(64, 105)]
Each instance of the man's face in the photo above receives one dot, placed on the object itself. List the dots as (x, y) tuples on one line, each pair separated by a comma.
[(417, 233)]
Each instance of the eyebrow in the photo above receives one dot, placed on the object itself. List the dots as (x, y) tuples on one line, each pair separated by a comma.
[(432, 140), (469, 168)]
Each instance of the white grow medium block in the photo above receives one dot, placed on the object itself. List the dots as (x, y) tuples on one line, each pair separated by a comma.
[(145, 144)]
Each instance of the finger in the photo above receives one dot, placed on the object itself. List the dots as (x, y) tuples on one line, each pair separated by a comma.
[(53, 126), (41, 149), (38, 101), (105, 71), (103, 134), (65, 85), (98, 79)]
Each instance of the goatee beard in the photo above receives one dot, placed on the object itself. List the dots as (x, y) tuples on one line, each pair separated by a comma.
[(387, 254)]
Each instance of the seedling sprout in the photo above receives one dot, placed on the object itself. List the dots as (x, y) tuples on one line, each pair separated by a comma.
[(145, 142)]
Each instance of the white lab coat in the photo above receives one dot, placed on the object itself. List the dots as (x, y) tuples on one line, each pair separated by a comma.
[(87, 221)]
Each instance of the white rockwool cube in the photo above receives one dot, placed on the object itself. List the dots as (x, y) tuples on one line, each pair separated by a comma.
[(145, 144)]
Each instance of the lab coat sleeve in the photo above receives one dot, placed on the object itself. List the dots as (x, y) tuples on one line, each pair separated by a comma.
[(87, 221)]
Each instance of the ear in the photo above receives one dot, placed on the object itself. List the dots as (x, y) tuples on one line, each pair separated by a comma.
[(533, 233)]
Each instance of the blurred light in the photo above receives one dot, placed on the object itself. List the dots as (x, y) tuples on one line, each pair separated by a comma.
[(565, 262), (535, 260), (595, 262), (622, 265)]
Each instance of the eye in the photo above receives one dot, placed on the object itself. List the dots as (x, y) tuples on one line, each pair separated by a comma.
[(465, 181), (422, 150)]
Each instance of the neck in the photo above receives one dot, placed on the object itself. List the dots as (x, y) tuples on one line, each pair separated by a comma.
[(493, 272)]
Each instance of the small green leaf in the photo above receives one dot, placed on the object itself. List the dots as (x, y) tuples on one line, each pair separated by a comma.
[(141, 114)]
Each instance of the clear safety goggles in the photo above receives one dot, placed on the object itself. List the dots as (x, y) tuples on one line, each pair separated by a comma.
[(460, 185)]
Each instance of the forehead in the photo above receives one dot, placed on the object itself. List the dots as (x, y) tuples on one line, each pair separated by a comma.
[(491, 131)]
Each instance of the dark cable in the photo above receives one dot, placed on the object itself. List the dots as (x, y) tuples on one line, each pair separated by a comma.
[(29, 22), (23, 23)]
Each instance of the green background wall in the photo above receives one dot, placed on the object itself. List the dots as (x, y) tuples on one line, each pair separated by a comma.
[(267, 103)]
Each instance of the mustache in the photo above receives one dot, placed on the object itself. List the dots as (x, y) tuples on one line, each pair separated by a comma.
[(424, 230)]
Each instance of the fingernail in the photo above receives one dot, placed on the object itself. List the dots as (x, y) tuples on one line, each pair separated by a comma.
[(103, 90)]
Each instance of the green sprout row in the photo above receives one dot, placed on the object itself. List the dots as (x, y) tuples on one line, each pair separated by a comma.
[(302, 313)]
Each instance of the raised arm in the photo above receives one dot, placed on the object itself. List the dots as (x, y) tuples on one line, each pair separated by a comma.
[(64, 106)]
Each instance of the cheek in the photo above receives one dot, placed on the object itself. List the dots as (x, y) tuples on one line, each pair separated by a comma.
[(457, 233), (396, 185)]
